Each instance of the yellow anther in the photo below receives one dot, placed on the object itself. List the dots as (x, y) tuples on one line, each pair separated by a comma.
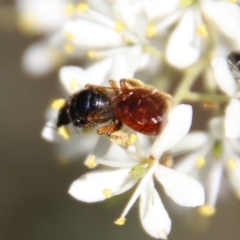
[(107, 193), (232, 163), (70, 35), (73, 84), (70, 9), (151, 30), (207, 211), (82, 7), (68, 48), (186, 3), (92, 54), (58, 103), (233, 1), (200, 162), (120, 221), (202, 30), (119, 26), (63, 131), (91, 162)]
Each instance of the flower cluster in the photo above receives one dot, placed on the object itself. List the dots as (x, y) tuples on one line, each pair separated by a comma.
[(170, 44)]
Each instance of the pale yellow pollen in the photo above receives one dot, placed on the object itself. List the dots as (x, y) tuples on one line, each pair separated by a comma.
[(58, 103), (107, 193), (70, 9), (232, 163), (82, 7), (123, 139), (120, 221), (132, 139), (200, 162), (73, 84), (68, 47), (151, 30), (92, 54), (233, 1), (207, 211), (119, 26), (91, 162), (202, 30), (70, 35), (186, 3), (63, 131)]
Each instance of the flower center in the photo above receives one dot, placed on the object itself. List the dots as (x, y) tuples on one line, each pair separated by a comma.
[(217, 150)]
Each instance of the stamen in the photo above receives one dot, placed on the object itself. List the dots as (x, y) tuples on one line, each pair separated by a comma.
[(63, 131), (107, 192), (92, 54), (187, 3), (151, 30), (58, 103), (202, 30), (73, 84), (232, 163), (68, 48), (139, 188), (70, 9), (82, 7), (200, 162), (119, 26), (91, 162), (207, 210), (120, 221), (70, 36)]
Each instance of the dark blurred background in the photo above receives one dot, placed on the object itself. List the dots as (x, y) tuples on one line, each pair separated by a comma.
[(34, 201)]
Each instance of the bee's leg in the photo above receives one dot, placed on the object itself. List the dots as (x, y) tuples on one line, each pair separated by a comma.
[(131, 83), (109, 129), (114, 86)]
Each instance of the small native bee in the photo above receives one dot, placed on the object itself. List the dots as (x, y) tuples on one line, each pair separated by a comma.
[(141, 107), (234, 64)]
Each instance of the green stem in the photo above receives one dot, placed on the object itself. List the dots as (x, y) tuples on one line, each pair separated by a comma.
[(199, 97), (188, 80)]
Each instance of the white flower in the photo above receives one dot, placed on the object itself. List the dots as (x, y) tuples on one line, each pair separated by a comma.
[(91, 32), (201, 24), (136, 166), (228, 84), (209, 154)]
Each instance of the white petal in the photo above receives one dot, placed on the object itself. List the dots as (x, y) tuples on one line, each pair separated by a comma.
[(232, 119), (124, 65), (154, 217), (98, 73), (216, 127), (184, 44), (179, 123), (183, 189), (192, 141), (49, 132), (225, 15), (223, 75), (234, 175), (90, 187), (98, 36), (73, 78), (42, 16), (40, 59), (213, 183)]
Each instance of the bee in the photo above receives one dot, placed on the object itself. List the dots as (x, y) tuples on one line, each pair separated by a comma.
[(234, 64), (140, 107)]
